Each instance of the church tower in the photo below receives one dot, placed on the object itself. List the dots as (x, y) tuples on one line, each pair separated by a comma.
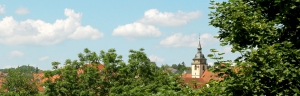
[(199, 64)]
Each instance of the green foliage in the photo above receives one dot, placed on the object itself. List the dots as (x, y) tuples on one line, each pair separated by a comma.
[(164, 66), (138, 77), (271, 26), (19, 82), (179, 67), (175, 66), (23, 68), (75, 78)]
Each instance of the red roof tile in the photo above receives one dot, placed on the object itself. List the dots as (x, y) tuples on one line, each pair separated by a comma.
[(194, 82)]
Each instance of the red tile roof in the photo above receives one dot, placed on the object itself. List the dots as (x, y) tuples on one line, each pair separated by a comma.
[(186, 75), (194, 82), (207, 76)]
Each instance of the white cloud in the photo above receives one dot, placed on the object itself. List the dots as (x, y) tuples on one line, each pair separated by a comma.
[(86, 32), (44, 58), (153, 16), (22, 11), (210, 63), (178, 40), (16, 54), (2, 9), (156, 59), (145, 27), (136, 30), (42, 33)]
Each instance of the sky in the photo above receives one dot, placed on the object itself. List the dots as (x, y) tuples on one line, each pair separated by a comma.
[(37, 33)]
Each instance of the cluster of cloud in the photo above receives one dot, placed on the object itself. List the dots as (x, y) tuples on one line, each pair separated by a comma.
[(15, 54), (22, 11), (154, 17), (44, 58), (42, 33), (179, 40), (2, 9), (154, 58), (136, 30), (146, 26)]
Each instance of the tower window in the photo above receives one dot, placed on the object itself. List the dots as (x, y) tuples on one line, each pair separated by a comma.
[(195, 67)]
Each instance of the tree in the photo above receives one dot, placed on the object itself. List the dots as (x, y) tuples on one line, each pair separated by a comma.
[(165, 66), (209, 66), (175, 66), (19, 82), (138, 77), (181, 67), (23, 68), (266, 33), (37, 70), (75, 77)]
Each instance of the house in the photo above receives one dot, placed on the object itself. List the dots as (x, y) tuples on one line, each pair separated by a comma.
[(175, 71)]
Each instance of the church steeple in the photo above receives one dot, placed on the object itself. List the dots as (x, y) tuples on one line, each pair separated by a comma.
[(199, 54), (199, 46), (199, 64)]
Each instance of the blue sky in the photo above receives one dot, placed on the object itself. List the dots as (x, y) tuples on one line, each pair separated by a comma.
[(39, 32)]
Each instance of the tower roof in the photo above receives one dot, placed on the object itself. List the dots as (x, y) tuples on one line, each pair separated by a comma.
[(199, 54), (199, 45)]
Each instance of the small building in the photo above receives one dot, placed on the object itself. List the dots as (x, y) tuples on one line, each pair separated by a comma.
[(199, 64), (199, 74)]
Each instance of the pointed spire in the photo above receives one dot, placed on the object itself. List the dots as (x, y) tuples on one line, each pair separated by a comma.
[(199, 46)]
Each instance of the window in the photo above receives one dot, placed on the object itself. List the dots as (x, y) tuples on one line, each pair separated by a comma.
[(195, 67)]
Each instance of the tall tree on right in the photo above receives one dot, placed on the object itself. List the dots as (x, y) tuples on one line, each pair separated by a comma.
[(266, 33)]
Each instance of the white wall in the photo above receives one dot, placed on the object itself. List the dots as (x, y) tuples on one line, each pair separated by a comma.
[(196, 73)]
